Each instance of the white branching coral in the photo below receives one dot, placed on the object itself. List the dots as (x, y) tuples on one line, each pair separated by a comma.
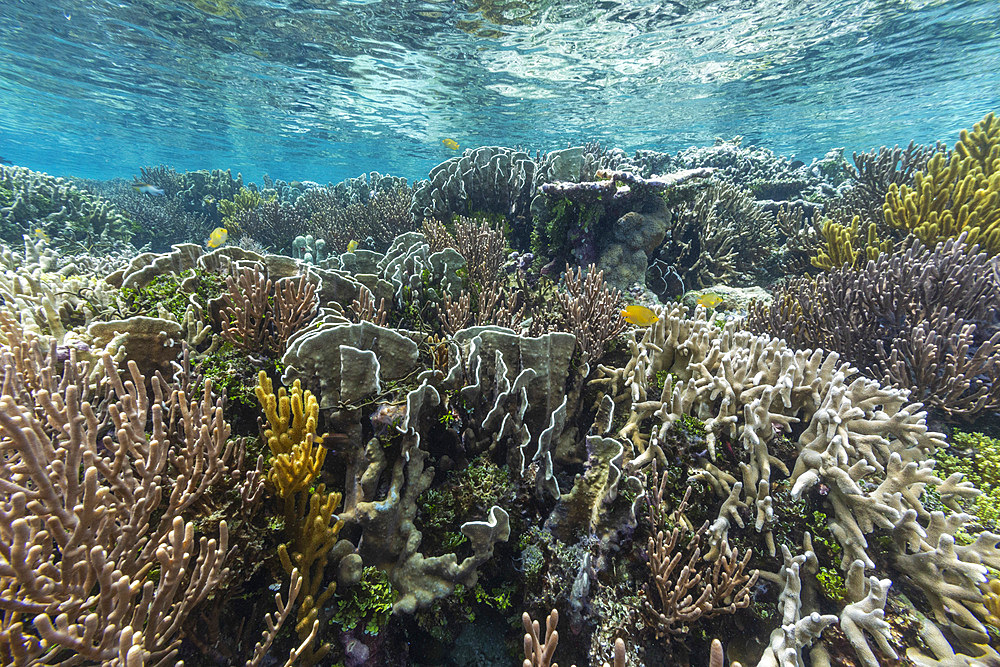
[(863, 448)]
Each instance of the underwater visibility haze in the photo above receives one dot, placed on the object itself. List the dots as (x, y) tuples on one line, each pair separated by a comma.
[(451, 333)]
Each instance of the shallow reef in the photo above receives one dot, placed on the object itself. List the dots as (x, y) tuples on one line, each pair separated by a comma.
[(697, 409)]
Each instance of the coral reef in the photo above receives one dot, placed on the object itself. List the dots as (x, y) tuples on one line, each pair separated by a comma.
[(374, 452), (37, 205)]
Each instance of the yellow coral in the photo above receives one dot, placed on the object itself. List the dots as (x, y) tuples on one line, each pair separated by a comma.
[(841, 241), (298, 451), (992, 602), (955, 193), (310, 547)]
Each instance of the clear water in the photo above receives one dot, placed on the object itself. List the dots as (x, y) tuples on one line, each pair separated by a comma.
[(325, 89)]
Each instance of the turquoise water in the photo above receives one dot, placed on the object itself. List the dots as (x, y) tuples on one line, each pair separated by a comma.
[(323, 90)]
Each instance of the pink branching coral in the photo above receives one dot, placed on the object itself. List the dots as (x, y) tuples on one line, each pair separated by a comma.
[(87, 514), (593, 310), (260, 318)]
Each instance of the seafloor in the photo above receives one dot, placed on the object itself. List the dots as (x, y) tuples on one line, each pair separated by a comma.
[(668, 398)]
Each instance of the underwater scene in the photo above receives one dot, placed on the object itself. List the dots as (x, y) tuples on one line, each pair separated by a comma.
[(465, 333)]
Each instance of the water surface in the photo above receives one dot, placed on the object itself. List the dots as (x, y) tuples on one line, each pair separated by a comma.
[(324, 89)]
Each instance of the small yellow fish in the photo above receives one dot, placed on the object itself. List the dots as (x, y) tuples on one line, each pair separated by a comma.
[(639, 315), (709, 300), (40, 233), (450, 143), (352, 245), (217, 237)]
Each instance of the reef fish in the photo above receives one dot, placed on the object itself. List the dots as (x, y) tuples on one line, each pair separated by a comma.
[(710, 300), (352, 245), (217, 237), (147, 189), (4, 160), (639, 315), (450, 143)]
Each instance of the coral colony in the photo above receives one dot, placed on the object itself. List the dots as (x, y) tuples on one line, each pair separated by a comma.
[(648, 402)]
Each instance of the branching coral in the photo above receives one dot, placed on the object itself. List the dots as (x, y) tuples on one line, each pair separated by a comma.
[(721, 236), (260, 318), (373, 223), (859, 448), (310, 525), (957, 192), (297, 450), (842, 245), (89, 514), (875, 172), (924, 319), (33, 203), (695, 591), (271, 223), (592, 311)]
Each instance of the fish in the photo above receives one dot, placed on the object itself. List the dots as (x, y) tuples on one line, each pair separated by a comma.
[(4, 160), (217, 237), (352, 245), (450, 143), (639, 315), (147, 189), (709, 300), (40, 234)]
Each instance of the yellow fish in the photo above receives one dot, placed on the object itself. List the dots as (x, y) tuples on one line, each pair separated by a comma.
[(709, 300), (450, 143), (639, 315), (217, 237), (352, 245), (40, 233)]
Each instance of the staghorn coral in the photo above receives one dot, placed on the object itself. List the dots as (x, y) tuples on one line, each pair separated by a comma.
[(483, 246), (957, 193)]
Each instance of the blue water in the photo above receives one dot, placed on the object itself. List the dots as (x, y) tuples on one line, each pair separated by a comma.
[(325, 89)]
